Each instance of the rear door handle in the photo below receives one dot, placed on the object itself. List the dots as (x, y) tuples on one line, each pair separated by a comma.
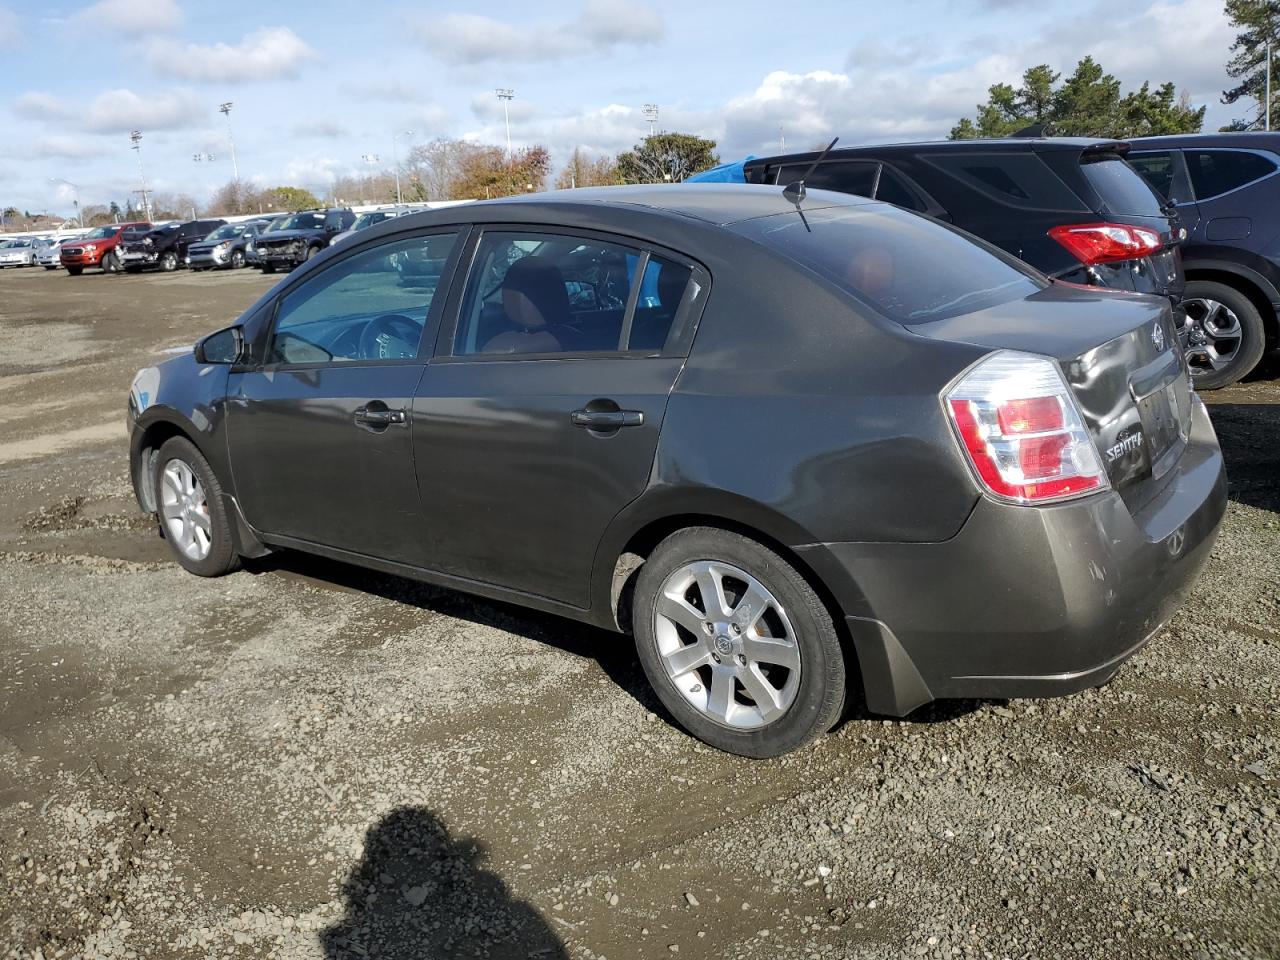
[(606, 419), (376, 414)]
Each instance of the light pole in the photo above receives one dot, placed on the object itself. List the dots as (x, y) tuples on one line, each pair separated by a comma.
[(651, 117), (225, 110), (506, 95), (76, 201), (395, 159), (136, 137)]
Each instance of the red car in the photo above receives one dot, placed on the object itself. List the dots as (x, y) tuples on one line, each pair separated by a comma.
[(97, 248)]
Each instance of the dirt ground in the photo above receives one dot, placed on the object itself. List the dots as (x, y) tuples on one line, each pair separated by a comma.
[(306, 760)]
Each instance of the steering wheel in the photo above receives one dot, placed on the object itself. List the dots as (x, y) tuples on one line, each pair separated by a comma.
[(391, 336)]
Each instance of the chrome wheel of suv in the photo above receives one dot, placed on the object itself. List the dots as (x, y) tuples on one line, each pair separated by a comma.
[(727, 644), (1214, 333), (1224, 333)]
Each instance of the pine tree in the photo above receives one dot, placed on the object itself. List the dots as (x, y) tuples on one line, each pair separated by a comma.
[(1257, 21)]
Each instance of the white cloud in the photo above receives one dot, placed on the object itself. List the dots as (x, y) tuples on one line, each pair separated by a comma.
[(601, 26), (64, 147), (133, 16), (319, 130), (267, 54), (117, 111), (39, 105), (10, 31)]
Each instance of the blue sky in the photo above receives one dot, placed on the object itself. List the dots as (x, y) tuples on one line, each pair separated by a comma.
[(317, 86)]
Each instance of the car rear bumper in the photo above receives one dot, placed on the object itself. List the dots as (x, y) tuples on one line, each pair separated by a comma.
[(1027, 601)]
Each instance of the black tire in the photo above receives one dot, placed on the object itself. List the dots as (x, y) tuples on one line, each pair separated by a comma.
[(222, 557), (820, 697), (268, 268), (1253, 338), (111, 262), (168, 261), (75, 271), (47, 267), (237, 259), (311, 252)]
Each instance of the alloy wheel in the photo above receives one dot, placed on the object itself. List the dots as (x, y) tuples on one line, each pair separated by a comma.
[(727, 644), (1214, 334), (185, 510)]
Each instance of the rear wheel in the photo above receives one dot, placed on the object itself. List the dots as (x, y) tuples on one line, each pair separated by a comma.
[(190, 508), (736, 643), (1225, 334)]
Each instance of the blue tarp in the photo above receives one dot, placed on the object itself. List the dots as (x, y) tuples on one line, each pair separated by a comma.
[(725, 173)]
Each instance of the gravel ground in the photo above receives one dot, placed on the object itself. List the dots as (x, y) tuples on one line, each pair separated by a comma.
[(306, 760)]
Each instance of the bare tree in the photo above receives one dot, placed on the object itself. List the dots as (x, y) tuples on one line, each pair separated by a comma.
[(586, 171)]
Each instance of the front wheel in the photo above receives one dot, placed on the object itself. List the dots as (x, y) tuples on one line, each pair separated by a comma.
[(47, 267), (75, 271), (191, 510), (736, 644), (237, 259), (168, 261), (1225, 334), (111, 262), (268, 268)]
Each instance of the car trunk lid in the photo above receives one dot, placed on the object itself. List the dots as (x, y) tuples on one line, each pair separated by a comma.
[(1119, 354)]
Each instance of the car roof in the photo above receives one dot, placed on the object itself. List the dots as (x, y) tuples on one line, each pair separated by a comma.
[(1256, 140), (717, 203)]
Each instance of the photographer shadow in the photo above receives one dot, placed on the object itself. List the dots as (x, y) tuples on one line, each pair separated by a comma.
[(419, 894)]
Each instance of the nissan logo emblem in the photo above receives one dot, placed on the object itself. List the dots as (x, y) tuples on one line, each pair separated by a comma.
[(1157, 336)]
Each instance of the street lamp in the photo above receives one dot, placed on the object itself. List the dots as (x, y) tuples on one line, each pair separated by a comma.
[(136, 137), (395, 158), (203, 158), (76, 201), (651, 117), (225, 110), (506, 95)]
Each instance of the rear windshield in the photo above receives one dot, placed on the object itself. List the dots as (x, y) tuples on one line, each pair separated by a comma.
[(909, 269), (1121, 188)]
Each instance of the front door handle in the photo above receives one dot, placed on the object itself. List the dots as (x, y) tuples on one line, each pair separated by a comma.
[(606, 419), (376, 415)]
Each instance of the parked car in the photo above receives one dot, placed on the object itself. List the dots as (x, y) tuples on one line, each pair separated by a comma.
[(1224, 186), (17, 252), (165, 247), (833, 420), (1071, 207), (224, 247), (98, 247), (251, 246), (368, 219), (300, 237), (49, 256)]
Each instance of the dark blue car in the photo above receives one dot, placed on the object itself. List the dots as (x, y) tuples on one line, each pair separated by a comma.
[(1228, 197)]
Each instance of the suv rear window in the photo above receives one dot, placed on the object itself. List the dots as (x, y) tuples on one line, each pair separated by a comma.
[(1122, 189), (1020, 179), (904, 267), (1214, 172)]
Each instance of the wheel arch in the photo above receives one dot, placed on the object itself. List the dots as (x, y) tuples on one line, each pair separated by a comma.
[(145, 442)]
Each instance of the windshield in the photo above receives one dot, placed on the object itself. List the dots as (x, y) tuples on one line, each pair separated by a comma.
[(102, 233), (304, 221), (369, 219), (228, 232), (905, 267), (1122, 189)]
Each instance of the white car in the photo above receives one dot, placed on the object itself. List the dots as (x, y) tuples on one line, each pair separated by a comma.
[(49, 255), (18, 252)]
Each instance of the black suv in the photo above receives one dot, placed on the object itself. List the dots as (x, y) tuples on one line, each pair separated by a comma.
[(1224, 187), (300, 237), (165, 248), (1070, 207)]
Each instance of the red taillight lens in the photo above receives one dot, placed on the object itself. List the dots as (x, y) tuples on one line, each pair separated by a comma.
[(1106, 242), (1020, 427)]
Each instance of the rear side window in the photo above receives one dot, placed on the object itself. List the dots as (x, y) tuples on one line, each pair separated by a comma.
[(1159, 170), (846, 176), (1214, 172), (902, 266), (1121, 188), (1018, 179)]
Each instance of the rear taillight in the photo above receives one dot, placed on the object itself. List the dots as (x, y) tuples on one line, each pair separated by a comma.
[(1020, 427), (1106, 242)]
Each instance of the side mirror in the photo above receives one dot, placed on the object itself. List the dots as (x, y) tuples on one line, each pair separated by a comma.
[(225, 346)]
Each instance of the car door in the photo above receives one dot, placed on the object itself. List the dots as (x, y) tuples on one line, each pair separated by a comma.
[(319, 430), (538, 420)]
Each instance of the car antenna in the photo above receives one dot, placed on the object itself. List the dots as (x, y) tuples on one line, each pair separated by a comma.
[(795, 191)]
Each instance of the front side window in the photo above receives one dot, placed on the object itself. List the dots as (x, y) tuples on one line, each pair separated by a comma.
[(1214, 172), (541, 293), (370, 306)]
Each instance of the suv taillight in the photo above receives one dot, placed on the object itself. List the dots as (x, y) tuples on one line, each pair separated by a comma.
[(1018, 422), (1106, 242)]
